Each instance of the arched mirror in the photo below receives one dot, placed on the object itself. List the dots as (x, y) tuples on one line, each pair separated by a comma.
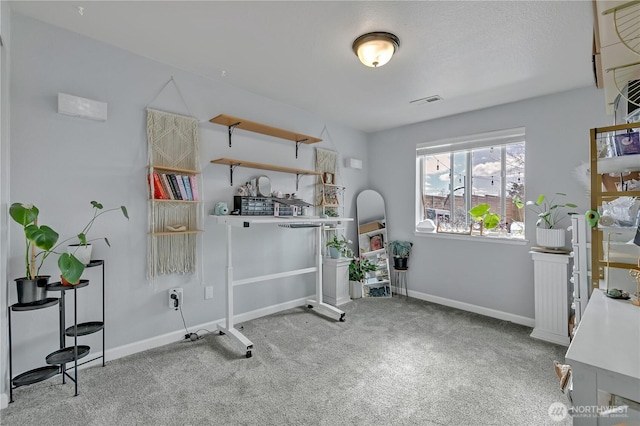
[(372, 239), (264, 186)]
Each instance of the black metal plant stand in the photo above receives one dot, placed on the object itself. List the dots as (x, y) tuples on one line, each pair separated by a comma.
[(57, 360)]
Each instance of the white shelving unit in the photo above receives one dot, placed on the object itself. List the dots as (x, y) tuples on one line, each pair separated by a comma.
[(378, 284), (581, 271)]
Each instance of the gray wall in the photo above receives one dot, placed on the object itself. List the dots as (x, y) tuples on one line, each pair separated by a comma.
[(61, 163), (490, 275)]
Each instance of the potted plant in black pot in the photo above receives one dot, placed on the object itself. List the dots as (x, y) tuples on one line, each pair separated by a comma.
[(400, 250), (40, 243)]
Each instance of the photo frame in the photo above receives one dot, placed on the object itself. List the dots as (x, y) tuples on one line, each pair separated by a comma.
[(628, 143), (328, 178), (376, 242)]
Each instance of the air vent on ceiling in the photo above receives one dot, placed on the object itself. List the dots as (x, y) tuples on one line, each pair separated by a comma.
[(427, 100)]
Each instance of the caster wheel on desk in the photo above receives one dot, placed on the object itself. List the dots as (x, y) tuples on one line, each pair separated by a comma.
[(221, 333), (310, 306), (342, 318), (249, 355)]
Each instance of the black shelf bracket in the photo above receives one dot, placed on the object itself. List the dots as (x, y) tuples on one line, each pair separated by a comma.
[(232, 127), (232, 167), (298, 144)]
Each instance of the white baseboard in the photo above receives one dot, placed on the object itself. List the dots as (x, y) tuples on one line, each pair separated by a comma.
[(176, 336), (506, 316), (4, 401)]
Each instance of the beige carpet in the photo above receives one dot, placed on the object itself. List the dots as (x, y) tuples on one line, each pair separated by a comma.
[(394, 361)]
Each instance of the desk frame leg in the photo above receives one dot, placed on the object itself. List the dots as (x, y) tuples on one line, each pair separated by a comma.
[(229, 328), (318, 305)]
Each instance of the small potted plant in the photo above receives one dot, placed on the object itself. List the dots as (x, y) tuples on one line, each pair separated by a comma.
[(358, 270), (82, 249), (400, 250), (550, 215), (482, 215), (338, 247)]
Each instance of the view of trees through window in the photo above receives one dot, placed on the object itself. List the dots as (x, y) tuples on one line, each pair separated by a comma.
[(455, 181)]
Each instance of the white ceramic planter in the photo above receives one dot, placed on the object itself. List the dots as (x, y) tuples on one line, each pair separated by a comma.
[(550, 238), (355, 289), (82, 253)]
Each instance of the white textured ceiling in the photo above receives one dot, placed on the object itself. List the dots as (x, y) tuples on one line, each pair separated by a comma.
[(473, 54)]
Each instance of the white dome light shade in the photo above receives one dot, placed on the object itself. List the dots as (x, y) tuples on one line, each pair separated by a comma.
[(375, 49)]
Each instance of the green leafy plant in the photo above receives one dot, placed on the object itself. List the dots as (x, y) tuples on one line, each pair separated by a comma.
[(45, 239), (400, 248), (36, 237), (550, 213), (360, 267), (482, 213), (69, 265), (340, 244)]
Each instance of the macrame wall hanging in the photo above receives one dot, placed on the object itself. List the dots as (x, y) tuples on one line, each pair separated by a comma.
[(173, 148), (326, 161)]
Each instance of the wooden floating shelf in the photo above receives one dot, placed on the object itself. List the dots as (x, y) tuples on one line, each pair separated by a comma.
[(233, 123), (174, 170), (158, 200), (262, 166), (162, 234)]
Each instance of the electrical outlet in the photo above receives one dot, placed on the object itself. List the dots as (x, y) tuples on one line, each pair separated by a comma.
[(208, 292), (175, 298)]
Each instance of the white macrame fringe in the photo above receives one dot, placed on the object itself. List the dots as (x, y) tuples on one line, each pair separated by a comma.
[(172, 142)]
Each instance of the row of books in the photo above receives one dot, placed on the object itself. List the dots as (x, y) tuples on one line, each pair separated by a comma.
[(170, 186)]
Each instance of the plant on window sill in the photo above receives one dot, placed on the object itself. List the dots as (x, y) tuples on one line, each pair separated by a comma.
[(482, 214)]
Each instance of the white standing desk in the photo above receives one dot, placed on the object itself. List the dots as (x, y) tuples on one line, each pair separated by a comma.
[(605, 355), (231, 221)]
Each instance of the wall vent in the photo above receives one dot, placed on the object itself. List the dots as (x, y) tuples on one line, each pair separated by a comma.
[(427, 100)]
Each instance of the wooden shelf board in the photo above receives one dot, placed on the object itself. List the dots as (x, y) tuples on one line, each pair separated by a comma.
[(330, 205), (175, 201), (263, 166), (160, 234), (174, 170), (252, 126)]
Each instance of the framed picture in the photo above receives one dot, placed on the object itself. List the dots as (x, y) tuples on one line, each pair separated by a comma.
[(328, 178), (376, 242), (628, 143)]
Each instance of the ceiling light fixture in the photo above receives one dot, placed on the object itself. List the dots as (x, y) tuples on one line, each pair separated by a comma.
[(375, 49)]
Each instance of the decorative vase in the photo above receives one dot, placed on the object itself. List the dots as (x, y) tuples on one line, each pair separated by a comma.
[(30, 291), (550, 238), (334, 253), (82, 252), (355, 289)]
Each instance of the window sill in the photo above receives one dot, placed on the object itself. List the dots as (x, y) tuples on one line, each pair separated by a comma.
[(478, 238)]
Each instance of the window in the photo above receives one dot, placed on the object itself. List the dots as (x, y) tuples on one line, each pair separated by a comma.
[(455, 175)]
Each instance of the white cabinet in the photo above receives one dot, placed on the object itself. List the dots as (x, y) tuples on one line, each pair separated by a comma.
[(552, 310), (335, 280)]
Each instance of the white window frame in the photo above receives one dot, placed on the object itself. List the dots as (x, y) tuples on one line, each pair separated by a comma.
[(467, 143)]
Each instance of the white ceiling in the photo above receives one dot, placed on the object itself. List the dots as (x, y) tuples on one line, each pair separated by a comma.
[(473, 54)]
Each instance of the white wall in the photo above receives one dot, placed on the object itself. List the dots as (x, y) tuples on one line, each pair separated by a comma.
[(60, 163), (488, 275)]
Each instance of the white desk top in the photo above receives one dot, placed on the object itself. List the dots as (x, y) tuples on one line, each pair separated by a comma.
[(608, 336), (236, 220)]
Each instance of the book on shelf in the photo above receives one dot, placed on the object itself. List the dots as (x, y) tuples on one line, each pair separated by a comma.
[(181, 188), (187, 187), (157, 191), (167, 186), (194, 188), (174, 186)]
